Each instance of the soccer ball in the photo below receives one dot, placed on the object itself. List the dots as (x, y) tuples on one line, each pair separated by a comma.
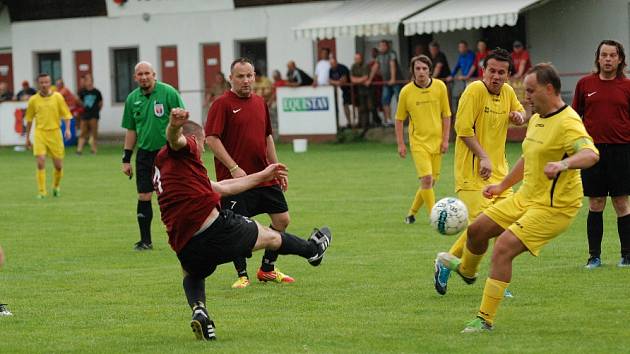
[(449, 216)]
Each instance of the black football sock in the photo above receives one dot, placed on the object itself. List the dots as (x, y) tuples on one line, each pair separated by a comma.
[(195, 289), (145, 215), (241, 266), (623, 226), (269, 258), (595, 230), (294, 245)]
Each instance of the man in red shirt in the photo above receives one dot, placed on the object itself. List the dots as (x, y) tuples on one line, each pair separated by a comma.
[(603, 101), (238, 131), (520, 58), (201, 233)]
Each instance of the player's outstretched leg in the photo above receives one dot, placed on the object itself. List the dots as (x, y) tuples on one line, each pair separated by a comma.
[(452, 263), (284, 243), (440, 277), (201, 323)]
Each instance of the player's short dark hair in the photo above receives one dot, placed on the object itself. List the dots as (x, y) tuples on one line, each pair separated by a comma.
[(421, 58), (241, 60), (500, 54), (620, 52), (546, 74), (191, 128), (43, 75)]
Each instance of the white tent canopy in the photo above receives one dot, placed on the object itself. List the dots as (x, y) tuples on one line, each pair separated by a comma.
[(361, 18), (452, 15)]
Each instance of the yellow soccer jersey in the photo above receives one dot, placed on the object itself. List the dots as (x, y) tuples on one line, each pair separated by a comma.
[(553, 138), (425, 108), (47, 111), (485, 116)]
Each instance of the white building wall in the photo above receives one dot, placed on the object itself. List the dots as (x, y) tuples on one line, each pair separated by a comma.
[(186, 30), (567, 32)]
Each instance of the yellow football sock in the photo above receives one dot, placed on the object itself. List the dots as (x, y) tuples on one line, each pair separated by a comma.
[(492, 296), (470, 263), (41, 181), (57, 178), (417, 202), (457, 249), (429, 198)]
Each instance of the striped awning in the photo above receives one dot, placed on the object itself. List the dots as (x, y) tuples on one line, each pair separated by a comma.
[(451, 15), (361, 18)]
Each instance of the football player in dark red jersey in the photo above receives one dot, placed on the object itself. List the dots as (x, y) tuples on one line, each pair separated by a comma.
[(202, 233)]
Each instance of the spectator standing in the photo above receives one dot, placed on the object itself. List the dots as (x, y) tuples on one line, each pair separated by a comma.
[(26, 92), (520, 58), (73, 102), (263, 87), (218, 87), (480, 57), (322, 69), (92, 101), (359, 74), (441, 69), (145, 117), (5, 93), (603, 101), (465, 62), (376, 91), (340, 77), (387, 61), (278, 81), (297, 76)]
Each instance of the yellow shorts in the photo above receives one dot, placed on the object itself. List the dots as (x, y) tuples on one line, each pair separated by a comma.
[(535, 225), (476, 203), (48, 142), (427, 164)]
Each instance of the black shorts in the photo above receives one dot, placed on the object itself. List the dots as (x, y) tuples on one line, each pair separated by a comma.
[(229, 237), (144, 170), (261, 200), (611, 175)]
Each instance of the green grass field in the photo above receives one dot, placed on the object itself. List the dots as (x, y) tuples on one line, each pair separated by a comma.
[(75, 285)]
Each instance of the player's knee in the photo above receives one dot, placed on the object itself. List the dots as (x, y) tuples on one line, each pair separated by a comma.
[(426, 182), (621, 205), (596, 203), (270, 239), (281, 222), (144, 196)]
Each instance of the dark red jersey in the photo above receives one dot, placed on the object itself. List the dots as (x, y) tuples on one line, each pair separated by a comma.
[(243, 126), (605, 108), (184, 192)]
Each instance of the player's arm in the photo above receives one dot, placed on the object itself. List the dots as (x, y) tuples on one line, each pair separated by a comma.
[(174, 136), (446, 133), (512, 178), (237, 185), (584, 158), (219, 151), (401, 115), (130, 143), (485, 165)]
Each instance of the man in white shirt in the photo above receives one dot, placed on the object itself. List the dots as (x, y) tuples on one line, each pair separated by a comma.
[(322, 69)]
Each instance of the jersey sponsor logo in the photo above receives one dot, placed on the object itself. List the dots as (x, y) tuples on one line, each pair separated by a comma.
[(305, 104), (236, 110), (158, 109), (591, 93)]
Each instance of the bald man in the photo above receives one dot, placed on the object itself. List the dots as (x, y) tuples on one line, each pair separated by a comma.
[(147, 109)]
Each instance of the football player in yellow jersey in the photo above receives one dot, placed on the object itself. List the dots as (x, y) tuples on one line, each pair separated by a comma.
[(47, 108), (555, 147), (485, 110), (424, 100)]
